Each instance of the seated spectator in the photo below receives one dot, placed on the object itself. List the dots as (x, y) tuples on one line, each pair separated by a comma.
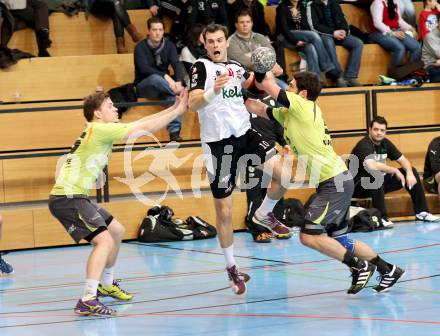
[(116, 11), (244, 41), (5, 268), (194, 48), (35, 14), (294, 32), (375, 178), (175, 10), (431, 53), (428, 17), (408, 11), (152, 58), (206, 12), (326, 18), (255, 8), (392, 33), (431, 171)]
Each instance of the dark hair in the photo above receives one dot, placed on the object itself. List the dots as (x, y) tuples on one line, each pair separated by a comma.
[(379, 120), (241, 13), (214, 27), (306, 80), (194, 34), (92, 103), (152, 20)]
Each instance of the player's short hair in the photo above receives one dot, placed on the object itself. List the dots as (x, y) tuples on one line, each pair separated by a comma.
[(214, 27), (379, 120), (92, 103), (306, 80)]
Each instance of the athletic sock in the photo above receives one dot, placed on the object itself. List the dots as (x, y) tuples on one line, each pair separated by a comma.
[(267, 206), (90, 289), (382, 266), (107, 277), (228, 252), (351, 261)]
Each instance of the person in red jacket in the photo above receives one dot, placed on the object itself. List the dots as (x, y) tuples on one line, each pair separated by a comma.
[(392, 33), (428, 17)]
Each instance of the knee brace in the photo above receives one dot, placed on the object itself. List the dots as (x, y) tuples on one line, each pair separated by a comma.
[(346, 241)]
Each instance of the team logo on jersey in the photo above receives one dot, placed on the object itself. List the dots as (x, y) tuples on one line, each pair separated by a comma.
[(194, 79), (230, 72), (201, 6), (232, 93), (214, 5)]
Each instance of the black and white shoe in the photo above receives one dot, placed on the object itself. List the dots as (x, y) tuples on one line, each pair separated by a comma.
[(387, 280), (360, 277)]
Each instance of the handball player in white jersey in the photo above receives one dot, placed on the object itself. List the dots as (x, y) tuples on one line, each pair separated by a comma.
[(229, 142)]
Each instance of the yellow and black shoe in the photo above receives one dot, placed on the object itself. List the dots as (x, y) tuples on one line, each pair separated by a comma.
[(114, 291)]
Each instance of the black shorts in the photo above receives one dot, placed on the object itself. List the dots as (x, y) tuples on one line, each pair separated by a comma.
[(328, 210), (225, 158), (82, 218), (431, 185)]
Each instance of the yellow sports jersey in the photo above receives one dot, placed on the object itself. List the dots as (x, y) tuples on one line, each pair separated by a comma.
[(88, 157), (308, 136)]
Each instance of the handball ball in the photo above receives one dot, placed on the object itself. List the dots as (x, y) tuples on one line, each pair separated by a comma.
[(263, 59)]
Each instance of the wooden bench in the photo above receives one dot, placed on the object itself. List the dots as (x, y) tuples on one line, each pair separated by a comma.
[(81, 35)]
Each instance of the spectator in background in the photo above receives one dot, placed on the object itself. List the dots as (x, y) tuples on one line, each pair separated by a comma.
[(392, 33), (431, 53), (375, 178), (244, 41), (194, 48), (431, 171), (294, 32), (152, 58), (175, 10), (116, 11), (5, 268), (408, 11), (326, 18), (428, 17), (35, 14), (255, 8), (206, 12)]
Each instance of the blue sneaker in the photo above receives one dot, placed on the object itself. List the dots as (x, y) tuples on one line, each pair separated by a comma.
[(5, 268)]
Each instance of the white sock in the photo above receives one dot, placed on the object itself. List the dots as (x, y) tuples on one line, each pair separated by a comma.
[(267, 206), (228, 252), (90, 289), (107, 277)]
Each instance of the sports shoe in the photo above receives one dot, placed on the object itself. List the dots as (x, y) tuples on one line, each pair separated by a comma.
[(5, 268), (360, 277), (93, 307), (114, 291), (387, 280), (386, 222), (263, 237), (427, 217), (237, 280), (384, 80), (352, 82), (274, 225)]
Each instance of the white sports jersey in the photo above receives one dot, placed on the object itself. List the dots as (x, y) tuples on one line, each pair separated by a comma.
[(226, 115)]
